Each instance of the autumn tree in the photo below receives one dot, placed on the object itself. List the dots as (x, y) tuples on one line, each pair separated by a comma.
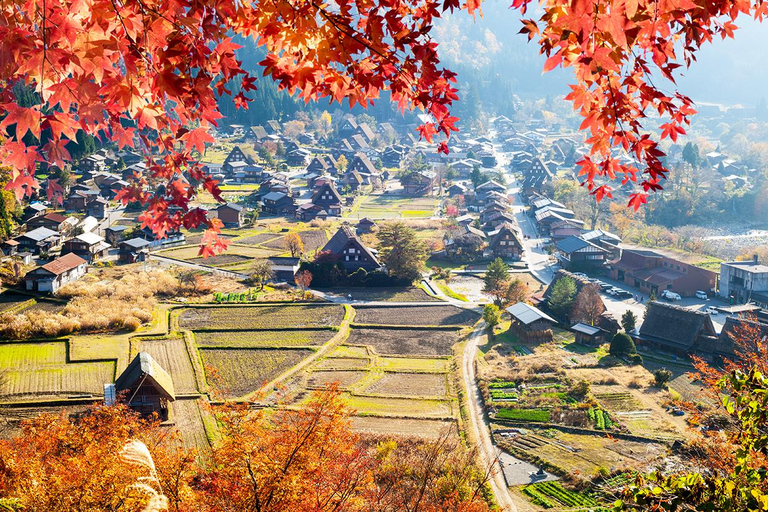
[(517, 291), (303, 279), (294, 243), (189, 279), (401, 251), (341, 164), (261, 273), (588, 305), (491, 315)]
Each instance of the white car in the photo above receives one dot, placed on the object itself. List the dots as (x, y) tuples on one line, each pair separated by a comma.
[(581, 275), (671, 296), (712, 311), (701, 295)]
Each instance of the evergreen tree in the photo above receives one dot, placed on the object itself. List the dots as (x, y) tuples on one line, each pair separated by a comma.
[(622, 345), (563, 296), (401, 251), (628, 321)]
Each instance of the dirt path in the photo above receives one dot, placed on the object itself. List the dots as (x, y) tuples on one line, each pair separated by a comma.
[(489, 454)]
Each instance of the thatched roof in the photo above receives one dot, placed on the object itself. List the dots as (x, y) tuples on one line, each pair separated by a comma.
[(145, 369), (675, 326)]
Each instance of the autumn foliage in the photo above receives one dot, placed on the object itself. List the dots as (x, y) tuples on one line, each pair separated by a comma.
[(265, 460)]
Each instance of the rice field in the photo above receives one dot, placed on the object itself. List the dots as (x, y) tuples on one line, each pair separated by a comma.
[(41, 369), (190, 419), (415, 315), (410, 384), (401, 426), (386, 406), (345, 379), (406, 341), (414, 364), (238, 372), (261, 317), (256, 339)]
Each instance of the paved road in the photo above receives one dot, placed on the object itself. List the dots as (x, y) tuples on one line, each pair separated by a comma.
[(489, 453)]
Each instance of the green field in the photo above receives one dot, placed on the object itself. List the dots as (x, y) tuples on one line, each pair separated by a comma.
[(387, 206), (42, 369), (523, 414)]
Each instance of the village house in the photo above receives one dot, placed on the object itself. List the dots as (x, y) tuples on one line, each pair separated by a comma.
[(33, 210), (675, 329), (9, 247), (322, 164), (278, 203), (496, 219), (393, 156), (365, 225), (327, 198), (76, 202), (652, 273), (115, 234), (88, 246), (350, 252), (505, 243), (347, 128), (53, 221), (133, 250), (744, 281), (232, 215), (310, 211), (575, 253), (52, 276), (563, 228), (284, 268), (297, 157), (589, 334), (465, 243), (147, 387), (38, 240), (97, 208), (352, 180), (418, 183), (606, 240)]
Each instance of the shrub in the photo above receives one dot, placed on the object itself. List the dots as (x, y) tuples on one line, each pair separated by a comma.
[(661, 377), (636, 359), (622, 344), (579, 389)]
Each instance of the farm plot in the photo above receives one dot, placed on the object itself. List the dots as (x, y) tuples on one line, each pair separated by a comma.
[(221, 259), (345, 379), (256, 339), (406, 341), (261, 317), (400, 294), (547, 494), (11, 300), (408, 427), (392, 206), (343, 363), (190, 420), (173, 357), (414, 364), (191, 253), (414, 315), (237, 372), (410, 384), (260, 238), (399, 406), (41, 369), (312, 239)]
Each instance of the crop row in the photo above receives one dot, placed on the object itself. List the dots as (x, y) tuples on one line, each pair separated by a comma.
[(537, 498), (540, 415), (500, 384), (568, 498), (600, 418), (498, 394), (250, 296)]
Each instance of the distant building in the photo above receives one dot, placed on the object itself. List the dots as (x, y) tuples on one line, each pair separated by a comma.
[(505, 243), (133, 250), (53, 221), (675, 329), (589, 334), (530, 323), (575, 253), (743, 281), (350, 252), (365, 225), (114, 234), (147, 387), (652, 272), (418, 183), (88, 246), (284, 268), (38, 240), (52, 276), (327, 198), (278, 203), (231, 214)]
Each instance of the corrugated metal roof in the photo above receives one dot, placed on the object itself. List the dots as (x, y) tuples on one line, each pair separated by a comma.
[(63, 264), (528, 314)]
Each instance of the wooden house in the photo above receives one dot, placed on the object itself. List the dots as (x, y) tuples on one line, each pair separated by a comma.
[(284, 268), (278, 203), (530, 323), (505, 243), (590, 334), (347, 128), (365, 225), (97, 208), (133, 250), (33, 210), (328, 198), (653, 272), (350, 252), (147, 387), (575, 253), (418, 183), (115, 234), (53, 221), (353, 180), (675, 329), (9, 247), (310, 211), (232, 215), (88, 246), (52, 276), (38, 240)]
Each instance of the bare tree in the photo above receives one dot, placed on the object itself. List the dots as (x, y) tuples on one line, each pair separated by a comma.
[(588, 305)]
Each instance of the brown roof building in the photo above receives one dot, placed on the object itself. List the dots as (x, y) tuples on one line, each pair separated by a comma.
[(652, 272)]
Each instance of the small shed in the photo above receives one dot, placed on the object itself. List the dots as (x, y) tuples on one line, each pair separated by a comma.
[(530, 323), (146, 386), (589, 335), (365, 225)]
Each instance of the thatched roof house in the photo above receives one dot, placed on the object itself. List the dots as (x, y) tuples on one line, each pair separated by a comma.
[(147, 386), (676, 329)]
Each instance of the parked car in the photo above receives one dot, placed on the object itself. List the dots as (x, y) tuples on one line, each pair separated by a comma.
[(624, 294), (670, 296), (613, 291), (581, 275), (701, 295), (712, 310), (605, 286)]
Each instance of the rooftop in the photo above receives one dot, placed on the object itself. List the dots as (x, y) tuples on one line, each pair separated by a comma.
[(63, 264), (528, 314), (749, 266)]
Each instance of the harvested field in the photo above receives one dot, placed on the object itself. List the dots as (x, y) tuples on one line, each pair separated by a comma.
[(323, 378), (343, 363), (399, 406), (10, 416), (41, 369), (312, 240), (413, 364), (237, 372), (406, 341), (255, 339), (259, 239), (414, 315), (407, 294), (410, 384), (401, 427), (46, 306), (188, 418), (349, 351), (261, 317), (173, 356), (9, 300), (221, 259)]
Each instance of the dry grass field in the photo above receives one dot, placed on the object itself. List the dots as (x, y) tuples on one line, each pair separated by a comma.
[(42, 370), (191, 418), (406, 341), (345, 379), (237, 372), (343, 363), (255, 339), (410, 384), (261, 317), (396, 407), (406, 294), (415, 315), (402, 427)]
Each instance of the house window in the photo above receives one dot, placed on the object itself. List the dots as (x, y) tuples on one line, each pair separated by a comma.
[(346, 257), (356, 257)]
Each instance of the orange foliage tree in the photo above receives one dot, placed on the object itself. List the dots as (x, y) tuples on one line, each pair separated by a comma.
[(306, 458)]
